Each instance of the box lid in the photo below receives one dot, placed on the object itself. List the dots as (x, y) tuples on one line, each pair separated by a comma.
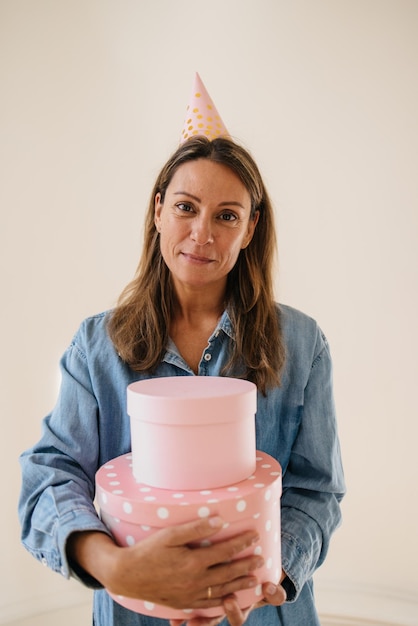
[(191, 399)]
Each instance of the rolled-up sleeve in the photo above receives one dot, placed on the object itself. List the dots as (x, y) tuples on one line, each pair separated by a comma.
[(313, 484)]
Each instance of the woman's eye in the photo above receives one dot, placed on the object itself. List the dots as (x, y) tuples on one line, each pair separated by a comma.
[(228, 217), (183, 206)]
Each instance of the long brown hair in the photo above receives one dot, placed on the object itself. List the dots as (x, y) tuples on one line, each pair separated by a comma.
[(140, 323)]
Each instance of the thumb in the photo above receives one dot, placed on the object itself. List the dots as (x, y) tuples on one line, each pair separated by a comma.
[(274, 594)]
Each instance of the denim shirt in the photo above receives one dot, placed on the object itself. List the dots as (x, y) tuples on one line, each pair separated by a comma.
[(295, 423)]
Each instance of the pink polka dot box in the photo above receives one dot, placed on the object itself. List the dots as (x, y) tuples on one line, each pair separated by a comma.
[(133, 510)]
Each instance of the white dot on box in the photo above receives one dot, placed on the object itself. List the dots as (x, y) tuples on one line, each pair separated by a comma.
[(241, 506), (266, 465), (258, 550), (109, 467), (149, 606), (111, 475), (117, 492), (113, 483), (269, 563), (150, 498), (130, 540), (205, 492), (145, 489), (187, 610), (267, 495), (178, 495), (259, 485), (103, 497), (276, 537), (258, 590), (268, 525), (127, 507), (163, 513), (204, 511), (145, 528), (232, 489)]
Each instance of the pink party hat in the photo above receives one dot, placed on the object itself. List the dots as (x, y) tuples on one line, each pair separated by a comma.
[(202, 117)]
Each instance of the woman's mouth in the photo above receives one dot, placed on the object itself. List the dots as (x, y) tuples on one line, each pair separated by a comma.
[(196, 258)]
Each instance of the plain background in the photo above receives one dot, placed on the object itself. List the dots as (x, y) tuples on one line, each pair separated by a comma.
[(324, 94)]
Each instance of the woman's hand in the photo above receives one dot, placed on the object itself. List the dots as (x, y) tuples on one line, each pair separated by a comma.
[(164, 569), (272, 594)]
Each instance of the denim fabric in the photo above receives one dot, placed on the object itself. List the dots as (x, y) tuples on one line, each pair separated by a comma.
[(295, 423)]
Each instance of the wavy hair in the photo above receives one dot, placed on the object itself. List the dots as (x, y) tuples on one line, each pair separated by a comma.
[(140, 323)]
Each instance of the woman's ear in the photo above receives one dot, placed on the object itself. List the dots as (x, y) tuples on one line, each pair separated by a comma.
[(252, 223), (157, 211)]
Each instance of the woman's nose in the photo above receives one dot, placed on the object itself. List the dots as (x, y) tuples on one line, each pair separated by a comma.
[(202, 231)]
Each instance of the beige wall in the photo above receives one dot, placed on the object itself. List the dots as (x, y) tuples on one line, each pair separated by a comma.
[(324, 93)]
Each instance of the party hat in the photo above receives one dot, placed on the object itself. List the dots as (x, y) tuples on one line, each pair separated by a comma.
[(202, 117)]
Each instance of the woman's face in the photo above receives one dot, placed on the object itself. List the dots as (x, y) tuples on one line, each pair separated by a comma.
[(204, 222)]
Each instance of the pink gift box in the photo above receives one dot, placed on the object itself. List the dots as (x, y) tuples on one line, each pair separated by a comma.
[(192, 432), (132, 511)]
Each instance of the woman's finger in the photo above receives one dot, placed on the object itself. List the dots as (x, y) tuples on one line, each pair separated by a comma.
[(195, 533), (192, 532), (198, 621), (235, 615), (274, 594)]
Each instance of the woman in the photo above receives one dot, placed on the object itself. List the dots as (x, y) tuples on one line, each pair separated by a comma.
[(200, 304)]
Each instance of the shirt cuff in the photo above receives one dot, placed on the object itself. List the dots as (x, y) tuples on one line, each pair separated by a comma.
[(293, 559), (78, 521)]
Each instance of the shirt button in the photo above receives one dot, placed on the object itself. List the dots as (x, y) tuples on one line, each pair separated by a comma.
[(207, 356)]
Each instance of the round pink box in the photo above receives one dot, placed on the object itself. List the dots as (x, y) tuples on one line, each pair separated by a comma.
[(192, 432), (133, 511)]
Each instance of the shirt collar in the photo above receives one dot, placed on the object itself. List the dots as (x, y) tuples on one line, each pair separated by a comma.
[(225, 324)]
